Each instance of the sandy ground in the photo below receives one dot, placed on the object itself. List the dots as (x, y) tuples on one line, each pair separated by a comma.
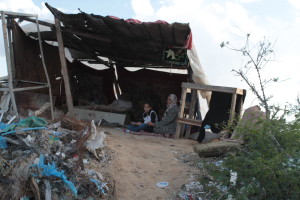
[(139, 162)]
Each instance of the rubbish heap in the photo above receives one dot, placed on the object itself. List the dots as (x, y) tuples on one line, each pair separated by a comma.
[(47, 161)]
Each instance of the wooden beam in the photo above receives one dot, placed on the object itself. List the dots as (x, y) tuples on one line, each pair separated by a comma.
[(193, 122), (232, 107), (17, 14), (64, 69), (192, 111), (181, 112), (212, 88), (8, 62), (40, 22)]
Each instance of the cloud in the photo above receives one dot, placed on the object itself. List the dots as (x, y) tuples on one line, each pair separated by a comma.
[(215, 21), (247, 1), (142, 7), (25, 6), (3, 71), (28, 6), (295, 4)]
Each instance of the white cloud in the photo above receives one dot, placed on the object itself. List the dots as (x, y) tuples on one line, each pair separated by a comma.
[(142, 7), (215, 21), (3, 69), (295, 3), (25, 6), (247, 1), (29, 7)]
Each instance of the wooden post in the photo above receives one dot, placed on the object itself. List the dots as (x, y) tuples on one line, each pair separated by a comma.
[(44, 67), (232, 107), (12, 58), (64, 69), (192, 111), (241, 107), (180, 114), (9, 64)]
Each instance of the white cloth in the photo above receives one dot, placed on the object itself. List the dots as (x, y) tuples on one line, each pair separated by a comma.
[(199, 76)]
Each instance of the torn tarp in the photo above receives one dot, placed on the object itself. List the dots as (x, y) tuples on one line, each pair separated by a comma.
[(30, 122), (51, 170)]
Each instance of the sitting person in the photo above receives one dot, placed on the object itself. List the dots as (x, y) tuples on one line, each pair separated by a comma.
[(167, 126), (149, 116)]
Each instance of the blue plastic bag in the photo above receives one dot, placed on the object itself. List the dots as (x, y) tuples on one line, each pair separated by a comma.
[(3, 144), (50, 170)]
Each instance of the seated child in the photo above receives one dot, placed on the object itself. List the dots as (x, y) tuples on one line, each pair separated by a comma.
[(148, 116)]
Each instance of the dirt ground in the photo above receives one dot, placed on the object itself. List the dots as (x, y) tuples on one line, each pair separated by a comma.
[(139, 162)]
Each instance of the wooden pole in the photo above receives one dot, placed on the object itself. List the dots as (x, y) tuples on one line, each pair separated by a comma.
[(64, 69), (9, 62), (45, 68), (181, 112), (232, 108), (192, 111)]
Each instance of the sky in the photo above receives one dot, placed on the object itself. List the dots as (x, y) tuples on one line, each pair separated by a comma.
[(212, 22)]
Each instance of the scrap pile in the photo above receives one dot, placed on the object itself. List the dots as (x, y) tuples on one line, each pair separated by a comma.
[(47, 161)]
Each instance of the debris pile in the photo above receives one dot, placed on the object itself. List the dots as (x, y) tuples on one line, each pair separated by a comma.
[(191, 191), (47, 161)]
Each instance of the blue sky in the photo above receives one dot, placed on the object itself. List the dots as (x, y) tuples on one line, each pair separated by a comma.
[(116, 7), (212, 21)]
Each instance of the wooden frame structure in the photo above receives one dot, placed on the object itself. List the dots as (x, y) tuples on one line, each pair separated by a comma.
[(194, 88), (7, 20)]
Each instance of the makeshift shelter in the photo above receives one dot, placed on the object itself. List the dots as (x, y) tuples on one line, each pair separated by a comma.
[(116, 44)]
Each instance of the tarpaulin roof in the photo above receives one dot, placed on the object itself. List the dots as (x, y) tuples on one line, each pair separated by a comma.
[(127, 42)]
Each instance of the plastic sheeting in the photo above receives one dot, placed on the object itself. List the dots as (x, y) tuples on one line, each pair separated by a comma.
[(3, 144), (30, 122), (199, 75), (51, 170)]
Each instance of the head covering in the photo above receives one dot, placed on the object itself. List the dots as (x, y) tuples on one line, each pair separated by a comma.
[(173, 98), (173, 101)]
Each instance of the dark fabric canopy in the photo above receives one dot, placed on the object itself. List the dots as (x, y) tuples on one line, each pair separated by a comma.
[(127, 42)]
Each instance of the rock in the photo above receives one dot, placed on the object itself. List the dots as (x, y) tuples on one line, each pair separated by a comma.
[(215, 148)]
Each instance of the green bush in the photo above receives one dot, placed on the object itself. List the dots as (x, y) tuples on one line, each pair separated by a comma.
[(263, 170), (268, 165)]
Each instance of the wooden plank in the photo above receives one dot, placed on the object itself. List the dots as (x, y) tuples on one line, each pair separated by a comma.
[(40, 22), (180, 114), (85, 114), (64, 70), (239, 91), (241, 107), (30, 88), (45, 68), (193, 122), (232, 108), (12, 59), (182, 102), (8, 62), (212, 88), (18, 14), (192, 111)]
